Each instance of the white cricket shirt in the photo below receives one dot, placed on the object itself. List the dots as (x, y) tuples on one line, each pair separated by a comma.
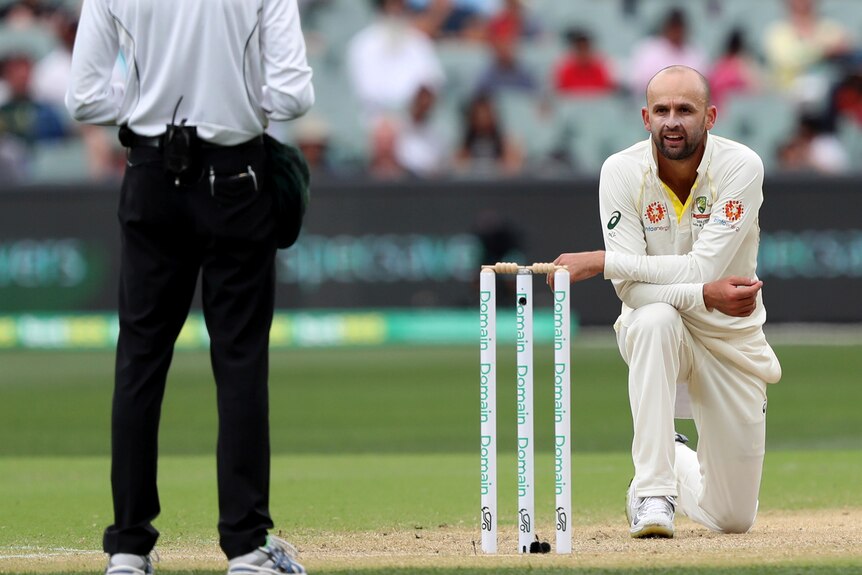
[(660, 251), (236, 63)]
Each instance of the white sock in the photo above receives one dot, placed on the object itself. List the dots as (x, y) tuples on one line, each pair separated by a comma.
[(256, 557), (128, 560)]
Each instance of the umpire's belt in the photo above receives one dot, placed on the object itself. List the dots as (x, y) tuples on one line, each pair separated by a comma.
[(130, 139)]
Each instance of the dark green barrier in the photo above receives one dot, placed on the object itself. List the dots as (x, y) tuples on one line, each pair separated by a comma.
[(420, 244)]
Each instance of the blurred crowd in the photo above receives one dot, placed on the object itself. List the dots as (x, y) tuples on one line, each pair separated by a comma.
[(483, 88), (36, 132)]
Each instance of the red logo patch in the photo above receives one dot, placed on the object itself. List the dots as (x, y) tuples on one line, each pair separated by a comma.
[(733, 210), (656, 212)]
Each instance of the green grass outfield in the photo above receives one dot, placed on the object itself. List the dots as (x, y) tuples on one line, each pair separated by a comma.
[(384, 439)]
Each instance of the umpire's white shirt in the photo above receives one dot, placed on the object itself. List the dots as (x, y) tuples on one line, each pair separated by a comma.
[(236, 64), (714, 235)]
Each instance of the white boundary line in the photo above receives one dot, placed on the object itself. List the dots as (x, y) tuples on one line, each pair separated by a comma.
[(40, 553)]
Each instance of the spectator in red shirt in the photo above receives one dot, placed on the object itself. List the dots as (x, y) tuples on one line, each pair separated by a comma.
[(512, 22), (736, 71), (582, 71), (845, 102)]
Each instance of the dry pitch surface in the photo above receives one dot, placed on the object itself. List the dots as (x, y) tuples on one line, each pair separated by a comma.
[(808, 537)]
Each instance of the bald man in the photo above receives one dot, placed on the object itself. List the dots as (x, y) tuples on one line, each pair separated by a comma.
[(679, 213)]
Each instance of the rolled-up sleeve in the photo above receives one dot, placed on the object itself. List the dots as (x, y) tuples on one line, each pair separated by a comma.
[(91, 97), (287, 92)]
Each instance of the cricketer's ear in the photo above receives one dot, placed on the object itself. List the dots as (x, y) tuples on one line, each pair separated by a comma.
[(645, 116), (711, 115)]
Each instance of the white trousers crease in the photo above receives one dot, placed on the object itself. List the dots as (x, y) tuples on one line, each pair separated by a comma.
[(718, 485)]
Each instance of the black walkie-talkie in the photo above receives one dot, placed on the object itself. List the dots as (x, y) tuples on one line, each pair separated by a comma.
[(179, 146)]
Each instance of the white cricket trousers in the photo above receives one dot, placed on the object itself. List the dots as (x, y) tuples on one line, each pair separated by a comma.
[(718, 485)]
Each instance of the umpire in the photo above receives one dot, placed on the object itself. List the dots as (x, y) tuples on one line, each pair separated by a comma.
[(202, 78)]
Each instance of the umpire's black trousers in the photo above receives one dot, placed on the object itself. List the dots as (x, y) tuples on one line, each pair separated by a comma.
[(221, 227)]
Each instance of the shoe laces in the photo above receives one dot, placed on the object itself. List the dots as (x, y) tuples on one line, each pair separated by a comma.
[(283, 555), (656, 505)]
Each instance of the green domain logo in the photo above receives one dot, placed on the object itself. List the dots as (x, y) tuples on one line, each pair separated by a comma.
[(615, 219)]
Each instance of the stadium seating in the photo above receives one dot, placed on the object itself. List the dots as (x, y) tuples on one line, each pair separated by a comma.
[(580, 132), (850, 134), (529, 123), (761, 121), (34, 43), (59, 162), (463, 63), (336, 103)]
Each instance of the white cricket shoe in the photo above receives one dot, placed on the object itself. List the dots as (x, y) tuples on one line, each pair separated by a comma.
[(650, 516), (128, 564), (276, 557)]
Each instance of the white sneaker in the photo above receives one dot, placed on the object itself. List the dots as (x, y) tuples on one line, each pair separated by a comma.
[(128, 564), (650, 516), (276, 557)]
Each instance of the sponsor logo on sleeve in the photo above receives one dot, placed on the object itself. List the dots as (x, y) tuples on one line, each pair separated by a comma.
[(733, 210), (732, 213), (615, 219)]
